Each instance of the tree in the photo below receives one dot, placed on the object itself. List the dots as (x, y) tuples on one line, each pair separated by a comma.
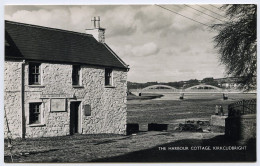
[(236, 42), (208, 79)]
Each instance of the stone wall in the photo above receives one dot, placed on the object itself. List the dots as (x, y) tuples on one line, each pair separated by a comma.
[(12, 98), (217, 120), (108, 105), (241, 128)]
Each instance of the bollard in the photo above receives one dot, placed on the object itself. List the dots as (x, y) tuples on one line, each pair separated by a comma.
[(225, 96), (221, 110), (182, 96), (216, 110)]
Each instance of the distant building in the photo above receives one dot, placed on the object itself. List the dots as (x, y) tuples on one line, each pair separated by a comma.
[(229, 82), (60, 82)]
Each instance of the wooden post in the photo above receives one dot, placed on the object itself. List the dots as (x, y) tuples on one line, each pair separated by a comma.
[(182, 96), (225, 96), (243, 107)]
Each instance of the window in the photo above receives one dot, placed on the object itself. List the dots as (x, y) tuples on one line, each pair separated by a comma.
[(34, 74), (35, 113), (108, 77), (75, 75)]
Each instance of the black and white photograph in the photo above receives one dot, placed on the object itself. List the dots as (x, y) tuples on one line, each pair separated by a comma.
[(130, 83)]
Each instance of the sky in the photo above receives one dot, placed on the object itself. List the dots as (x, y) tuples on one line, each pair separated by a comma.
[(158, 45)]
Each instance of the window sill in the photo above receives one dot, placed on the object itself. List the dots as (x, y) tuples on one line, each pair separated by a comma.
[(36, 86), (36, 125), (109, 86), (77, 86)]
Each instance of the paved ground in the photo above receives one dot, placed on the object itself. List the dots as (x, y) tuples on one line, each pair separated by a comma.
[(143, 147)]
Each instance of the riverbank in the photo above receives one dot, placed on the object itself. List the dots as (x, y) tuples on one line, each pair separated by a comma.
[(145, 96)]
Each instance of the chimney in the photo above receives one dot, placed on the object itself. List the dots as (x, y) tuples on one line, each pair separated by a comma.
[(97, 32), (93, 22), (98, 22)]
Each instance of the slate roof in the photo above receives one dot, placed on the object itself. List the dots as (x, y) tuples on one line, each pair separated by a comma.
[(37, 43)]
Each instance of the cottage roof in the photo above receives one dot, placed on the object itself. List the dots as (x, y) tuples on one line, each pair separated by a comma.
[(37, 43)]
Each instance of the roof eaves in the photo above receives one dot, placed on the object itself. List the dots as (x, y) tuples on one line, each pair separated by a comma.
[(123, 63), (62, 62)]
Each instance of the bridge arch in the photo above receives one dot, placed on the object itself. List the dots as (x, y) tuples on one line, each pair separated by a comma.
[(158, 87), (203, 87)]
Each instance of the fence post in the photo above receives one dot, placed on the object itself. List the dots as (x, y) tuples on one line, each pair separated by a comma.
[(243, 107), (229, 110)]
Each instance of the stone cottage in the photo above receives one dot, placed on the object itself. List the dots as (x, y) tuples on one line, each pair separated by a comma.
[(59, 82)]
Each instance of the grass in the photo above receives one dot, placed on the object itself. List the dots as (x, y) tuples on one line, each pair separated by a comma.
[(168, 111)]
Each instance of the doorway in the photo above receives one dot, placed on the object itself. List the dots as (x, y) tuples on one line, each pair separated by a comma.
[(74, 117)]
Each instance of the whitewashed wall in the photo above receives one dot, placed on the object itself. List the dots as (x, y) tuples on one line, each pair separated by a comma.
[(108, 105)]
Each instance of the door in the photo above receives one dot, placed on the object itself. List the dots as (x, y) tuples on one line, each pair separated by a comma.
[(74, 117)]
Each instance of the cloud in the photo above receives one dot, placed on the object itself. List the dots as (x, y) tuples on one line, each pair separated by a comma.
[(157, 44), (185, 49), (68, 18), (186, 70), (122, 19), (145, 50), (41, 17), (147, 15)]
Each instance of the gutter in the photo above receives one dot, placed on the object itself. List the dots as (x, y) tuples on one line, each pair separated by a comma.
[(65, 62)]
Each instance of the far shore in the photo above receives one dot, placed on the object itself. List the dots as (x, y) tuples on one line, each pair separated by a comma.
[(145, 96)]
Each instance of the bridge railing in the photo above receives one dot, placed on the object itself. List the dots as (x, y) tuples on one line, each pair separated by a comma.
[(180, 90), (201, 90), (242, 107), (161, 90)]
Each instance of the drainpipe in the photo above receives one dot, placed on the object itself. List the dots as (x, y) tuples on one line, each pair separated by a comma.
[(22, 101)]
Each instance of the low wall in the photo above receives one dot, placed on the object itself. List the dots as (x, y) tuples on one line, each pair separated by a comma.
[(217, 120), (242, 127)]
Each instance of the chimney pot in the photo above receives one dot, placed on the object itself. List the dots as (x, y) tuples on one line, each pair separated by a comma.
[(97, 32), (93, 20), (98, 22)]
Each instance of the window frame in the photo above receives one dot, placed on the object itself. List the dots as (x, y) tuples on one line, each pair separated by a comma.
[(78, 75), (109, 82), (33, 105), (33, 74)]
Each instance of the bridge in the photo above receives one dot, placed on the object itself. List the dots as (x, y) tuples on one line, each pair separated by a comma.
[(160, 87), (201, 88), (204, 88)]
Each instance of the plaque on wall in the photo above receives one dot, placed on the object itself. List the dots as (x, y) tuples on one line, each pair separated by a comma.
[(58, 105), (87, 110)]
